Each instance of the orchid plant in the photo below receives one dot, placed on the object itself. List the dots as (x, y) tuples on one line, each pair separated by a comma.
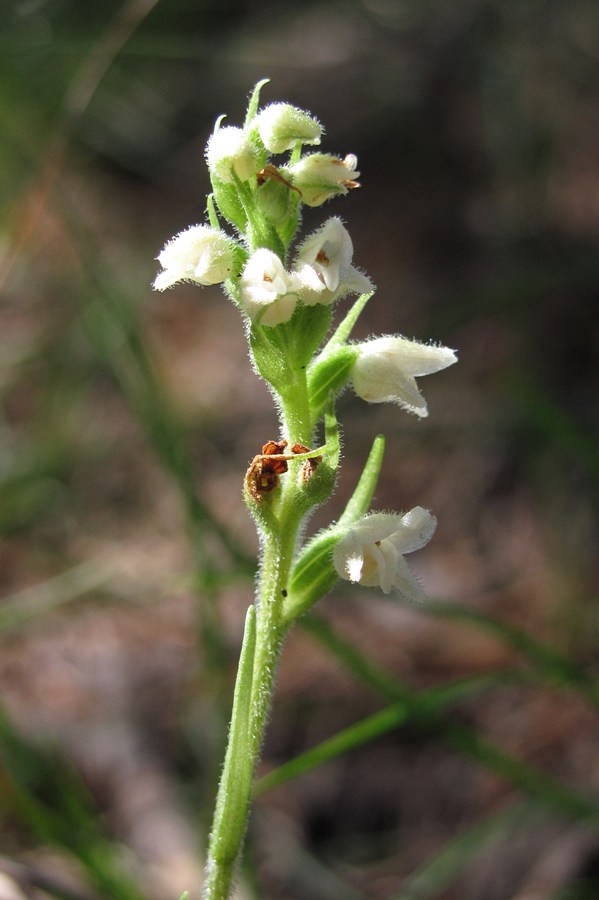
[(285, 292)]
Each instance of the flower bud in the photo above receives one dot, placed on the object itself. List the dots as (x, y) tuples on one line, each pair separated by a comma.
[(200, 254), (267, 289), (385, 370), (372, 551), (281, 126), (274, 200), (230, 151), (320, 176)]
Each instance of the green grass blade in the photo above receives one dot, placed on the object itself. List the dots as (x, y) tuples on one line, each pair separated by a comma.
[(348, 739), (442, 869), (51, 801), (32, 603), (548, 661), (426, 708)]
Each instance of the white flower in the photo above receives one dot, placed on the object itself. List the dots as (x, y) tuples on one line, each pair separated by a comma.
[(200, 254), (230, 150), (267, 290), (385, 370), (372, 552), (281, 126), (320, 176), (324, 266)]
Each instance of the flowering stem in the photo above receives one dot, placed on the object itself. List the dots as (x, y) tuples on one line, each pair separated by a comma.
[(253, 693), (288, 316), (255, 680)]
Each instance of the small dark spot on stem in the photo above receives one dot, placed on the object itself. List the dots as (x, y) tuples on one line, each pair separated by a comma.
[(284, 592)]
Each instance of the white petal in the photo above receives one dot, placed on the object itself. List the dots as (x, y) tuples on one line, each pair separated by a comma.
[(416, 528), (348, 556), (377, 526), (353, 568), (390, 558)]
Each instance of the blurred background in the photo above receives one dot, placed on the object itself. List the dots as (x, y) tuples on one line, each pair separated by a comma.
[(128, 418)]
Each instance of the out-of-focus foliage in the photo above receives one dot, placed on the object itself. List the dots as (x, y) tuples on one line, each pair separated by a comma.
[(127, 420)]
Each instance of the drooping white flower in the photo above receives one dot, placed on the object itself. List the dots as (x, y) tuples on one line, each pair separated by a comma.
[(200, 254), (386, 368), (268, 292), (320, 176), (324, 266), (281, 126), (372, 551), (230, 150)]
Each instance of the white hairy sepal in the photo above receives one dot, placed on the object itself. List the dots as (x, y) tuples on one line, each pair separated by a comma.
[(281, 126), (230, 151), (200, 254)]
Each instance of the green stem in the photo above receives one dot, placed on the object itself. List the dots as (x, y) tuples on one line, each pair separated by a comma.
[(255, 694), (276, 563), (295, 400), (257, 668), (232, 802)]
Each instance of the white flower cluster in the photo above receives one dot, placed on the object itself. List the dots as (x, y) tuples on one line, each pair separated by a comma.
[(234, 153), (261, 201), (323, 272)]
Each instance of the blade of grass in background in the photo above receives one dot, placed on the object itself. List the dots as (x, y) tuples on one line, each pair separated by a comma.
[(425, 709), (546, 416), (531, 781), (30, 604), (114, 331), (50, 801), (441, 870), (552, 665)]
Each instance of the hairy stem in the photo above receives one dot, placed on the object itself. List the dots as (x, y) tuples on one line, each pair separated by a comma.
[(257, 669)]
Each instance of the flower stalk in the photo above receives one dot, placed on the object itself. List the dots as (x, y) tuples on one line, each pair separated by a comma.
[(286, 297)]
